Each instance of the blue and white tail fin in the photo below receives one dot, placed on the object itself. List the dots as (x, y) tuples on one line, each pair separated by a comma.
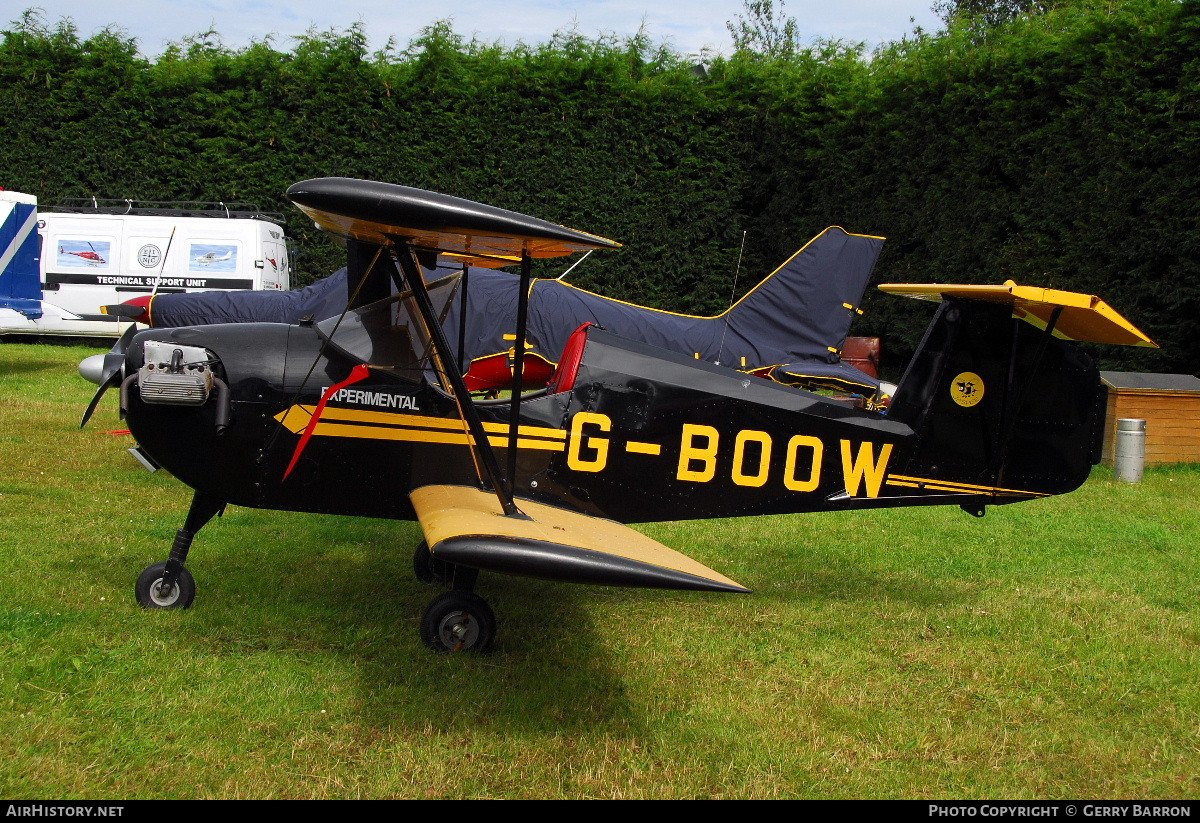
[(20, 255)]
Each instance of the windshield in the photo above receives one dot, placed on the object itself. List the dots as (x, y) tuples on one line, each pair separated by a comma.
[(390, 333)]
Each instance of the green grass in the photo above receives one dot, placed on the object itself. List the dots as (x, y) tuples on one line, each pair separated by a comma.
[(1049, 650)]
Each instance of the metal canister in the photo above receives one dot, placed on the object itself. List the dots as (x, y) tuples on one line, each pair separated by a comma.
[(1129, 458)]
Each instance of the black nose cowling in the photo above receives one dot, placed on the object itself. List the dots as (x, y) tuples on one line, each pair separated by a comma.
[(198, 401)]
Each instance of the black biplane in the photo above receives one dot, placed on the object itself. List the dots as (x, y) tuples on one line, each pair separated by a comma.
[(367, 413)]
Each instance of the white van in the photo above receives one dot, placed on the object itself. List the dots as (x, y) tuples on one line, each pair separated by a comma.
[(91, 253), (97, 253)]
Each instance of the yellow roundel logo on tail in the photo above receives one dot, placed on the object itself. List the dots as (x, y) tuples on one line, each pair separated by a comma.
[(967, 389)]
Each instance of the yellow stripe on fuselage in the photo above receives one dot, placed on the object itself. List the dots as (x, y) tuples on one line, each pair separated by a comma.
[(375, 425), (952, 486)]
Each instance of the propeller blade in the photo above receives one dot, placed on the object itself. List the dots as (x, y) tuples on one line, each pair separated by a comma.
[(110, 375), (122, 343), (112, 380)]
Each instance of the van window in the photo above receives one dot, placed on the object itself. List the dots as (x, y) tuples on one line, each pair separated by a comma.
[(213, 258), (82, 253)]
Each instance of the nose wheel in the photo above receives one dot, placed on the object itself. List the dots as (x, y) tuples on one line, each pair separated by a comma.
[(169, 585), (459, 621), (155, 590)]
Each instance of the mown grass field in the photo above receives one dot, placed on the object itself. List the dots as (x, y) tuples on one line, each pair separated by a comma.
[(1049, 650)]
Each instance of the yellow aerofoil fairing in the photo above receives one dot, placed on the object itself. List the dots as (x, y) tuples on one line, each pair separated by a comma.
[(1081, 317), (466, 525)]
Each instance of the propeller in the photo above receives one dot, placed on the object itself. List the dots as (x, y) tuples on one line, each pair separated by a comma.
[(105, 370)]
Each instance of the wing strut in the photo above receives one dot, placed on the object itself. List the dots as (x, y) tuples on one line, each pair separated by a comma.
[(405, 255), (462, 313), (514, 415)]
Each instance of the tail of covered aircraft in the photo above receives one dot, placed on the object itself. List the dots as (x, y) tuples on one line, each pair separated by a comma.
[(1000, 402), (790, 327)]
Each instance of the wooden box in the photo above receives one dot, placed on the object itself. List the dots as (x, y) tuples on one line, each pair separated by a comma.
[(1170, 405)]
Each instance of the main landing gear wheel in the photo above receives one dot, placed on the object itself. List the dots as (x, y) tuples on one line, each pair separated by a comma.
[(149, 589), (430, 569), (459, 622)]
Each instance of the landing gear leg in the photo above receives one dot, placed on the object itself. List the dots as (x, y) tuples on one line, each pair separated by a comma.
[(170, 585), (459, 620), (430, 569)]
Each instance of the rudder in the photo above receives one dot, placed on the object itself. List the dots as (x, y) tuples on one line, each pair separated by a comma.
[(998, 399)]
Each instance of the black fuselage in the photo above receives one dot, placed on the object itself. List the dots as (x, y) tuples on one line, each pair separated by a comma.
[(641, 435)]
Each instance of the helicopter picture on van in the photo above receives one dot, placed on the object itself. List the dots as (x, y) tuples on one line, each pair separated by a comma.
[(85, 254)]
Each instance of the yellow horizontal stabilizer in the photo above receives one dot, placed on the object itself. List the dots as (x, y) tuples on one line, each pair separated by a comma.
[(1084, 317), (465, 525)]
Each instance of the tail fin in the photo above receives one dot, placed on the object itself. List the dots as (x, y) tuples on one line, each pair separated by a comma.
[(998, 396), (798, 314), (20, 272)]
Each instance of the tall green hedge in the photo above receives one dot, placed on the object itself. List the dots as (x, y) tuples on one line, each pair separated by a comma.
[(1060, 149)]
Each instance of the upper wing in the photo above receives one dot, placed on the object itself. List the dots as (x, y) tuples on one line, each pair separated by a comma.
[(466, 526), (377, 212)]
